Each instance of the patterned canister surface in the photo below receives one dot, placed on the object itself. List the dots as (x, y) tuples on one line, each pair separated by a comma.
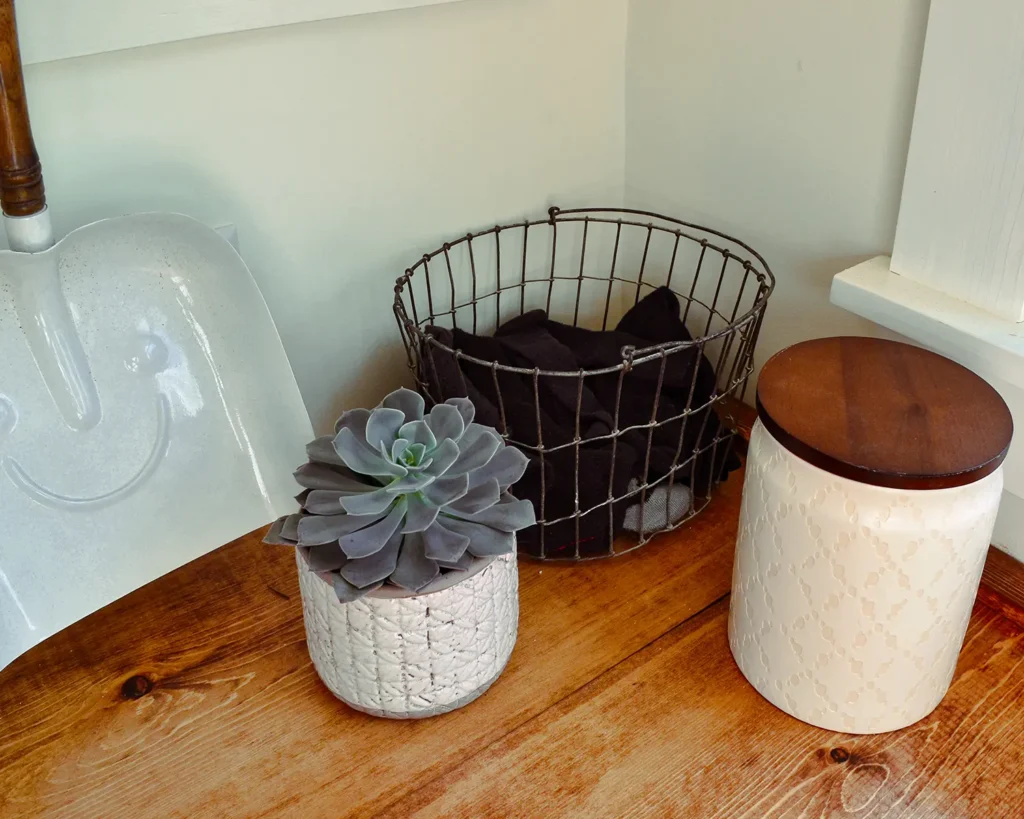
[(850, 601)]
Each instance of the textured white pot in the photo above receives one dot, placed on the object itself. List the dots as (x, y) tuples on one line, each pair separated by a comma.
[(402, 655), (850, 602)]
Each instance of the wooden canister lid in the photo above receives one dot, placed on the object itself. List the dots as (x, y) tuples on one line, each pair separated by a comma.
[(884, 413)]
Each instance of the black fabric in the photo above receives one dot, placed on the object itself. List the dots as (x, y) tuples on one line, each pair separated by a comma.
[(542, 410)]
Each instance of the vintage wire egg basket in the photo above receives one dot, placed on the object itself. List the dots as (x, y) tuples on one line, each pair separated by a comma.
[(604, 343)]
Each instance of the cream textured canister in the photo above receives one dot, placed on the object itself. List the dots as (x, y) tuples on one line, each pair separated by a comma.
[(873, 480), (850, 601)]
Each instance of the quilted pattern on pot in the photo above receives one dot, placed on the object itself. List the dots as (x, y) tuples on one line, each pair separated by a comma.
[(850, 602), (413, 656)]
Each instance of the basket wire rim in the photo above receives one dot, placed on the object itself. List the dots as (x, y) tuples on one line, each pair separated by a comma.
[(631, 356)]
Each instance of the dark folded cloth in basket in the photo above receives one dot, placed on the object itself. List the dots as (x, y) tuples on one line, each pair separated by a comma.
[(546, 413)]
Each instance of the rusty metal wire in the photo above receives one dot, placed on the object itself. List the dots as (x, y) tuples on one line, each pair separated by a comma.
[(582, 267)]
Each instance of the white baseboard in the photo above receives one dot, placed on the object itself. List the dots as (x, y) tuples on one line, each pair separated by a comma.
[(1009, 533)]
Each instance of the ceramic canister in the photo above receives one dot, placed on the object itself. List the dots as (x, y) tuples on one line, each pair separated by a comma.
[(864, 530)]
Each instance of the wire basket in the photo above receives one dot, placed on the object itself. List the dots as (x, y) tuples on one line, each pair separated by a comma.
[(625, 432)]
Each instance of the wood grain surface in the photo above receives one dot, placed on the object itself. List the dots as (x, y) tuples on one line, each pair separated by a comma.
[(884, 413), (675, 730), (21, 174), (195, 697)]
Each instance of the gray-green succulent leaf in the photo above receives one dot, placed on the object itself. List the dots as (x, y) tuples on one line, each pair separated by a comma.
[(414, 570), (400, 495)]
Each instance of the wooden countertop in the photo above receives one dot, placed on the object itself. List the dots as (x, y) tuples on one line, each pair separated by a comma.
[(195, 697)]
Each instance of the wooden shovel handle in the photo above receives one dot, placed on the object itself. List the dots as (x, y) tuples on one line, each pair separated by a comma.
[(21, 174)]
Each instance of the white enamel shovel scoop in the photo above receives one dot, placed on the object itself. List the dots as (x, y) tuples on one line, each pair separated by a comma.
[(148, 413)]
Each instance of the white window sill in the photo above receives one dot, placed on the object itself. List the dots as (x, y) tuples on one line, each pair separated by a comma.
[(987, 344), (992, 347)]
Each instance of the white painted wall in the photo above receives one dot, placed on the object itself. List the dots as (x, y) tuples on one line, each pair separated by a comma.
[(783, 123), (56, 29), (343, 149), (788, 125)]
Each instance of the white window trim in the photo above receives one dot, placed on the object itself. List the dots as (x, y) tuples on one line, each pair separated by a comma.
[(961, 221), (955, 282), (57, 29)]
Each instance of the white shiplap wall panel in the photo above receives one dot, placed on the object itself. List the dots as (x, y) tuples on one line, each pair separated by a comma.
[(961, 222), (55, 29)]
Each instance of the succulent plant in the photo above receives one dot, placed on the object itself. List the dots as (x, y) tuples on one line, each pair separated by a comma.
[(399, 495)]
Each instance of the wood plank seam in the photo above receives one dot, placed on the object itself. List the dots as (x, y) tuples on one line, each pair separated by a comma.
[(627, 746), (411, 803), (456, 764)]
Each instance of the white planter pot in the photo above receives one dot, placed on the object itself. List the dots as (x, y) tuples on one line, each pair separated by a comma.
[(849, 601), (402, 655)]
